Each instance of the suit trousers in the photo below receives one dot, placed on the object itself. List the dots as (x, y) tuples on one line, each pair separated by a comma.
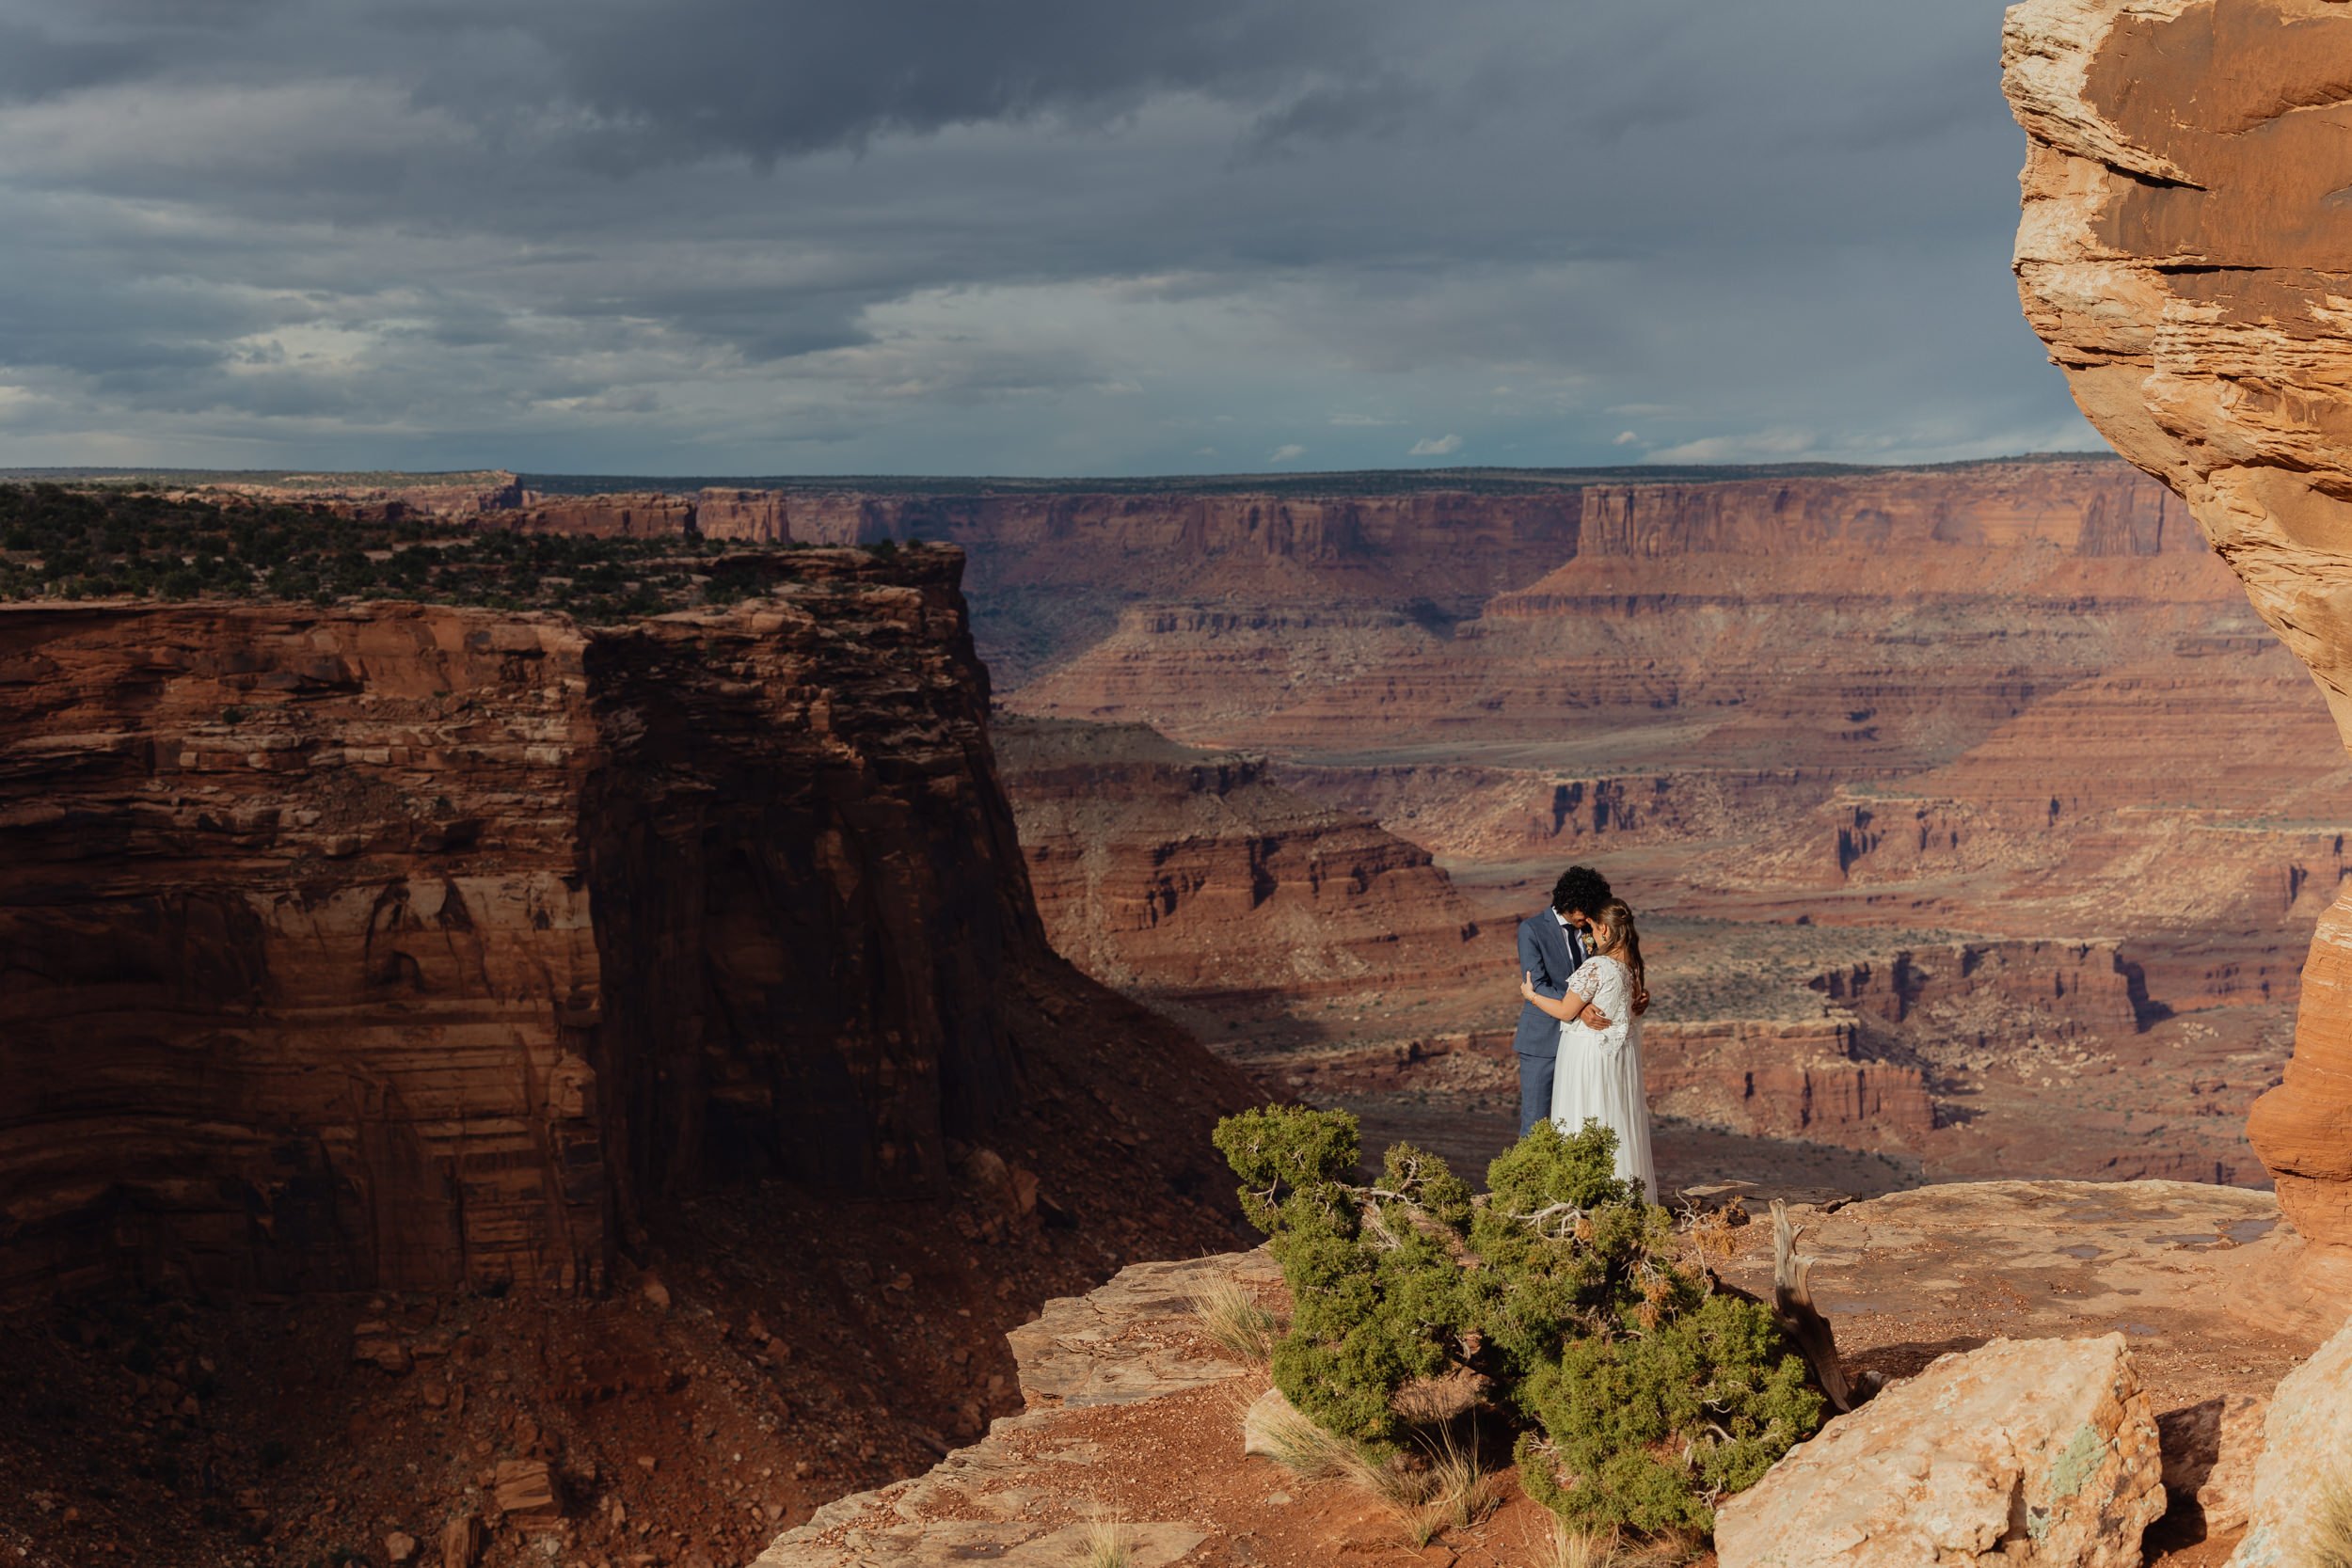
[(1535, 1089)]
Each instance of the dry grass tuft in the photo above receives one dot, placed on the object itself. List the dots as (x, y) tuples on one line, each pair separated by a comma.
[(1293, 1441), (1567, 1548), (1229, 1314), (1457, 1492), (1453, 1491), (1109, 1545), (2332, 1530)]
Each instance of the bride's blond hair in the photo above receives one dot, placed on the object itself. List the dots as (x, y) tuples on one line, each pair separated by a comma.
[(1615, 926)]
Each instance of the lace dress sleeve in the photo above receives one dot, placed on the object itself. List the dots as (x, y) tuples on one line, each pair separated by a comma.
[(1612, 993), (1586, 980)]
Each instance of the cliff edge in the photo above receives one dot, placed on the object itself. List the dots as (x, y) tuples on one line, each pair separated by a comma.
[(2182, 251), (397, 946)]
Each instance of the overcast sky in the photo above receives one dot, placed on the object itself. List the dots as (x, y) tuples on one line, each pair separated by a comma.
[(1008, 236)]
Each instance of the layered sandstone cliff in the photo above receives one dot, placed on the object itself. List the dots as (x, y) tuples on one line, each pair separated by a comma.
[(1190, 879), (1981, 706), (2182, 251), (1050, 573), (396, 946), (1841, 619)]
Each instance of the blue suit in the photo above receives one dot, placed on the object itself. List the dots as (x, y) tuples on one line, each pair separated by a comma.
[(1550, 952)]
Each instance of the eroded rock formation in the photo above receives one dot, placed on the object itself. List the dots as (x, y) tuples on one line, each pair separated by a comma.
[(1822, 616), (1050, 573), (407, 947), (2183, 251), (1190, 879)]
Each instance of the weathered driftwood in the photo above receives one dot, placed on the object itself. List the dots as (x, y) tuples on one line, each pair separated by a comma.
[(1792, 1304)]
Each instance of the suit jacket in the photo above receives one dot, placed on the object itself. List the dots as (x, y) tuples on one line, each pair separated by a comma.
[(1550, 952)]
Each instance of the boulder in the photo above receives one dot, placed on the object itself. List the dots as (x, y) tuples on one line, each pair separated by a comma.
[(2306, 1455), (2034, 1450)]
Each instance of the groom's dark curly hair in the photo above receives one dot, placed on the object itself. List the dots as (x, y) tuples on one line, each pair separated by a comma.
[(1580, 887)]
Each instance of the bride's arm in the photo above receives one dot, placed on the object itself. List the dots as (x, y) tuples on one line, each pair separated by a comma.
[(1568, 1009)]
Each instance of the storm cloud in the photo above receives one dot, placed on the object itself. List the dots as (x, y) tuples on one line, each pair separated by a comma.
[(1034, 236)]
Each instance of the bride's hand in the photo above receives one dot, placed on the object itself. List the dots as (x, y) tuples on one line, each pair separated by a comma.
[(1527, 985)]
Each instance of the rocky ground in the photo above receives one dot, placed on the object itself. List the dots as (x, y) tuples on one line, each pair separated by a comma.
[(1131, 1415), (768, 1355)]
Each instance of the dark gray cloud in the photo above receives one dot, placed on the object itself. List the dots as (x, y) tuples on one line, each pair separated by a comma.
[(1040, 235), (775, 79)]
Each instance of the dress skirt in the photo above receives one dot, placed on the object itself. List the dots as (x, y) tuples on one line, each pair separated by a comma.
[(1590, 1083)]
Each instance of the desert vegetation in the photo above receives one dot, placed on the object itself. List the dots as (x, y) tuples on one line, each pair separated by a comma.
[(2331, 1528), (60, 542), (1560, 1306), (1233, 1317)]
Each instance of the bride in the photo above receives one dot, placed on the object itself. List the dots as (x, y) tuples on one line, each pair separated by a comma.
[(1598, 1077)]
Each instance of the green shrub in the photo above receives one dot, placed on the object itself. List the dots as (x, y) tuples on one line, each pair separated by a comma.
[(1642, 1394)]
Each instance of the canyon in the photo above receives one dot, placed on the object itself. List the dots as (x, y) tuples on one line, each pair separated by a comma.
[(1927, 783), (419, 1023), (543, 968), (1925, 780), (618, 1021)]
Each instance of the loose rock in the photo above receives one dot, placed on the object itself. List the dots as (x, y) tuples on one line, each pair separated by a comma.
[(461, 1542), (524, 1491)]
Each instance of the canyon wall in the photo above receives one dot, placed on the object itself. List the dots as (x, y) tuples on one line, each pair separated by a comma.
[(1049, 573), (1191, 880), (1843, 621), (2083, 508), (2180, 251), (1810, 1079), (393, 947)]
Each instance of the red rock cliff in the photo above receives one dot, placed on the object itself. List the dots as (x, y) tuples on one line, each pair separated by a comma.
[(2182, 251), (400, 947), (2095, 508), (1190, 879), (1049, 572)]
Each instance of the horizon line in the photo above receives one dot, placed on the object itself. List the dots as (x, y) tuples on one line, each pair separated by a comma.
[(565, 483)]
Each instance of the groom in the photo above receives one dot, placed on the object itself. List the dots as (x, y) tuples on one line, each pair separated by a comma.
[(1552, 943)]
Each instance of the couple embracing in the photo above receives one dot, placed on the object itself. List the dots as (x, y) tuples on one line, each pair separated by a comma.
[(1580, 1036)]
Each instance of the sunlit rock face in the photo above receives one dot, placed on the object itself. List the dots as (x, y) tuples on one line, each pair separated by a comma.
[(2186, 250)]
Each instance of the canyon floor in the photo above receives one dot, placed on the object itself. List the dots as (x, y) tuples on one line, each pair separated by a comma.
[(1322, 950)]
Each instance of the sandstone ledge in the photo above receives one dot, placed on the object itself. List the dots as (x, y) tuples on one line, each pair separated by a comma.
[(1125, 1343), (2211, 1293)]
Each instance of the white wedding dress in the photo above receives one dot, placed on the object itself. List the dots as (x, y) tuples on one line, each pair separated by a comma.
[(1598, 1075)]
